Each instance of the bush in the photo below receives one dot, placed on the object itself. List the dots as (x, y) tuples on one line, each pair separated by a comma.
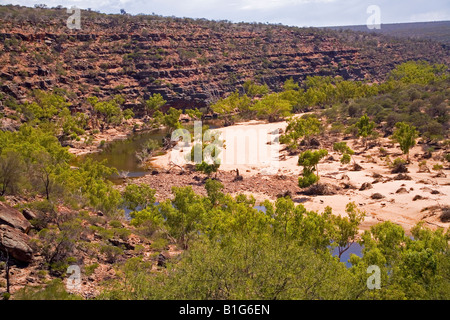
[(159, 243), (55, 290), (383, 152), (399, 166), (122, 233), (90, 269), (405, 135), (309, 160), (307, 180), (111, 253), (115, 224)]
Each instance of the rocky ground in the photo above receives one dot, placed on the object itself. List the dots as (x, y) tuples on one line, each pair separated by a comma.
[(28, 261)]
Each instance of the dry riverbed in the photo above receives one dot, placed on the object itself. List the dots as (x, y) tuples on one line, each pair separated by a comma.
[(405, 200)]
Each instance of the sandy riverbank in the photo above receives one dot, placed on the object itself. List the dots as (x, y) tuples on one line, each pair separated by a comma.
[(267, 177)]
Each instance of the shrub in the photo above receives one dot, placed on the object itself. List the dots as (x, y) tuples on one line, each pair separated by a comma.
[(111, 253), (55, 290), (115, 224), (90, 269), (307, 180), (405, 135), (383, 152), (399, 166), (309, 160)]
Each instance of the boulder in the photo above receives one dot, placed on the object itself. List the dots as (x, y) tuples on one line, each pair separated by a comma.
[(365, 186), (402, 176), (314, 143), (284, 194), (28, 214), (402, 191), (161, 260), (400, 168), (121, 243), (16, 243), (445, 215), (13, 218), (321, 189), (377, 196)]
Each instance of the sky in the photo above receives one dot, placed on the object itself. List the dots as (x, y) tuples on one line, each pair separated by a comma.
[(301, 13)]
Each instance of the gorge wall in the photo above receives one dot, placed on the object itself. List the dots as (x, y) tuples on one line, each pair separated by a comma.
[(190, 62)]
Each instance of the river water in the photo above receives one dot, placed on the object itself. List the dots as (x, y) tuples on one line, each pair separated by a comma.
[(121, 154)]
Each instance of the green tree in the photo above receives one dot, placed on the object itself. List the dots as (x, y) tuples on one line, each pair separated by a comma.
[(154, 103), (109, 111), (89, 183), (272, 107), (214, 190), (344, 150), (230, 105), (365, 128), (194, 113), (405, 135), (171, 119), (44, 107), (11, 171), (184, 215), (310, 160), (206, 153), (300, 128), (45, 170), (245, 267), (254, 90), (419, 72), (346, 228), (138, 196)]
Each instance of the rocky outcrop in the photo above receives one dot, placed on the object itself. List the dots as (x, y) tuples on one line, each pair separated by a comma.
[(13, 218), (28, 214), (16, 243), (13, 237)]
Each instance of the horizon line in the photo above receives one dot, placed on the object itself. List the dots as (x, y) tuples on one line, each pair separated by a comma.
[(224, 19)]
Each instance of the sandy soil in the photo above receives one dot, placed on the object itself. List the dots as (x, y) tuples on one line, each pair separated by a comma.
[(262, 172)]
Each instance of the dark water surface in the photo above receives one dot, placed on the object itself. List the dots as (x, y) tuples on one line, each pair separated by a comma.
[(121, 154)]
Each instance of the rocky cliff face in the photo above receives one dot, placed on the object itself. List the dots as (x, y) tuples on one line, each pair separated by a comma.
[(13, 234), (191, 63)]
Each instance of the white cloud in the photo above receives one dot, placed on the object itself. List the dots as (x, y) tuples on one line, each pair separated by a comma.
[(430, 16), (275, 4), (291, 12)]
